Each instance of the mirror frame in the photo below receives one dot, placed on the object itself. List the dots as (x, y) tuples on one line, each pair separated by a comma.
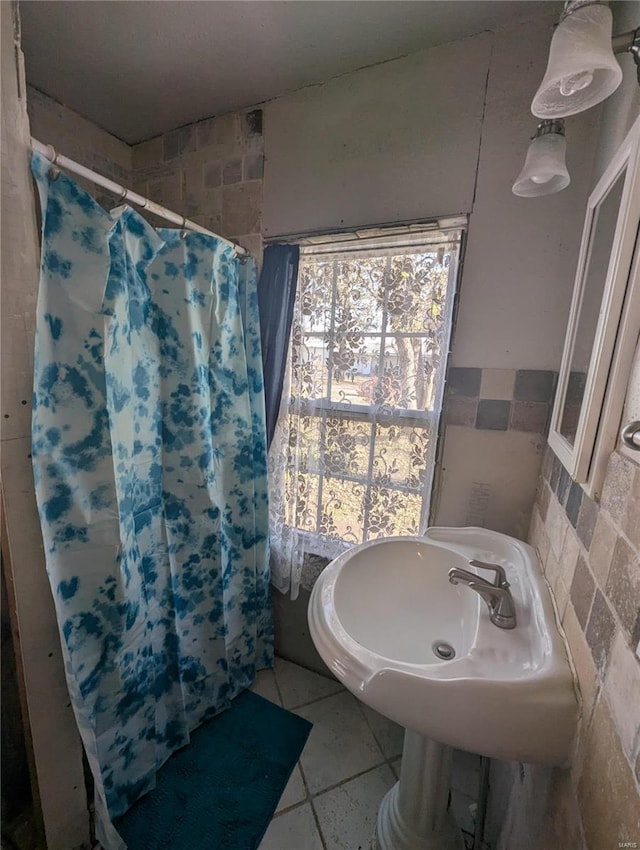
[(616, 332)]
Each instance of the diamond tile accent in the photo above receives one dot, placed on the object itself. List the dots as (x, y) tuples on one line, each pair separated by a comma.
[(623, 585), (497, 383), (529, 416), (574, 502), (534, 385), (564, 482), (582, 590), (587, 520), (461, 411), (600, 630), (493, 414), (464, 381)]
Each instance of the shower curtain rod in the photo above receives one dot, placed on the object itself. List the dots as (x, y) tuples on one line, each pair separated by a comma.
[(127, 195)]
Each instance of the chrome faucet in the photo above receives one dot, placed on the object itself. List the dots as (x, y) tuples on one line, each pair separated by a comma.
[(496, 594)]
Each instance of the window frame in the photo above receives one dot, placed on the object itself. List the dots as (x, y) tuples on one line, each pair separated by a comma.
[(450, 234)]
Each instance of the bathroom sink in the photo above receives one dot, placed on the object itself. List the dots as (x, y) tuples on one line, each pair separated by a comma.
[(423, 652)]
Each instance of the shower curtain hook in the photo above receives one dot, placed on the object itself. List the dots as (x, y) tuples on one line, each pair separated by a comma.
[(54, 172), (123, 194), (183, 232)]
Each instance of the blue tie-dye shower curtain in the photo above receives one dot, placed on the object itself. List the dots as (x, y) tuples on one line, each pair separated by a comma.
[(149, 457)]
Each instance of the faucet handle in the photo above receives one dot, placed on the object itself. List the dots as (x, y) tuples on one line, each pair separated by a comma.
[(501, 576)]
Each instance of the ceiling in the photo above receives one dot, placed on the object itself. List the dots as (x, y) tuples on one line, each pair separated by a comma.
[(142, 67)]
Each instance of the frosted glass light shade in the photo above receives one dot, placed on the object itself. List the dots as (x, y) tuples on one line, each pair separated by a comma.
[(544, 170), (582, 68)]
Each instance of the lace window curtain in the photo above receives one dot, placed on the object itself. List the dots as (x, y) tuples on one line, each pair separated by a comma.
[(353, 453)]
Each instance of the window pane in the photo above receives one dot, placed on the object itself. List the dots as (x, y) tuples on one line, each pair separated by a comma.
[(416, 310), (315, 282), (417, 289), (400, 456), (342, 510), (356, 384), (303, 467), (392, 512), (347, 448), (403, 378), (360, 286), (308, 369)]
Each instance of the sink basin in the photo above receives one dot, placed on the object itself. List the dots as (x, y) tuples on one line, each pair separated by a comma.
[(382, 614)]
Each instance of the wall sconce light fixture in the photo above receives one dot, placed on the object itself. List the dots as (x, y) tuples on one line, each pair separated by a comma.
[(582, 68), (544, 171)]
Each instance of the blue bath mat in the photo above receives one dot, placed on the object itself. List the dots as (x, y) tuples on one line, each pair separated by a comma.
[(220, 792)]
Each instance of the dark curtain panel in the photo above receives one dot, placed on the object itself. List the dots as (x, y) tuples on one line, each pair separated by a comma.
[(276, 297)]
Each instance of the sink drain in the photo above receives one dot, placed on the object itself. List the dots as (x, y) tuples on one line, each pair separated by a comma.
[(443, 650)]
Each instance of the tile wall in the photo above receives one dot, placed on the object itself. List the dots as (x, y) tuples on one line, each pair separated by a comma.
[(500, 399), (75, 137), (211, 172), (590, 554)]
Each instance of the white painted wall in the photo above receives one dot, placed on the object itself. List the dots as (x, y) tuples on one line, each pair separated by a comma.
[(407, 140), (521, 253), (394, 142), (488, 478), (623, 107)]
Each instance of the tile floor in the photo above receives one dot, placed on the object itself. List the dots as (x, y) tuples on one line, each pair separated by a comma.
[(350, 761)]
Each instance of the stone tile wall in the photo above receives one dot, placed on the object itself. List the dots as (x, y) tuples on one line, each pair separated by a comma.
[(500, 399), (80, 140), (590, 554), (211, 172)]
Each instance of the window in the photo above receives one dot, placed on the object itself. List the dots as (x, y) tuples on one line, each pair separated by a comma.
[(356, 446)]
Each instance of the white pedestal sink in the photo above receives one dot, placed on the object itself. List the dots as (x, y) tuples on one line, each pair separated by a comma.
[(382, 617)]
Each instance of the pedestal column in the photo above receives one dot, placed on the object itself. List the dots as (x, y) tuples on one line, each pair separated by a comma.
[(413, 815)]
